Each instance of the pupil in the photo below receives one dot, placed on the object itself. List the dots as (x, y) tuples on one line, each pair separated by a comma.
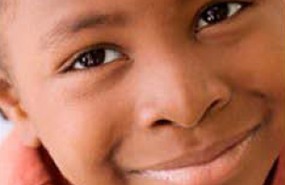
[(93, 58), (216, 13)]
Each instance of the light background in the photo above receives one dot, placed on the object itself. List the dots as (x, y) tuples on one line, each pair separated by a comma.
[(5, 127)]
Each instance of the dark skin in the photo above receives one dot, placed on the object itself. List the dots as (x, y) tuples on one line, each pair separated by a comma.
[(128, 92), (17, 159)]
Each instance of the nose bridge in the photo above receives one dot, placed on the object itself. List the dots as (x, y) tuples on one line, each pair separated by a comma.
[(171, 87)]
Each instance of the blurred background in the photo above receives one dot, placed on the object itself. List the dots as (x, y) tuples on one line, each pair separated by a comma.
[(5, 127)]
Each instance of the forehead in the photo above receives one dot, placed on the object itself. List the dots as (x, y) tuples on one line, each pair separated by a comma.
[(53, 17), (37, 23), (53, 6), (52, 9)]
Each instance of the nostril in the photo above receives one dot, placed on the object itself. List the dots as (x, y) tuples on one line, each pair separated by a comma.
[(162, 122), (213, 107)]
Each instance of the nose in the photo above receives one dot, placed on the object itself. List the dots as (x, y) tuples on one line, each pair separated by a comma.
[(174, 91)]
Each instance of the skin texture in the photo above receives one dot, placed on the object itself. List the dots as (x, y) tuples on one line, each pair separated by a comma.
[(24, 165), (173, 92)]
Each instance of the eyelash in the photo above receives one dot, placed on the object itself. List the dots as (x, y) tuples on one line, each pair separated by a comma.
[(206, 18), (227, 9), (101, 54)]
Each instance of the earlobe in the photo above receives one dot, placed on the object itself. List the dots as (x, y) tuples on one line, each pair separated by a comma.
[(12, 109), (30, 139), (27, 130)]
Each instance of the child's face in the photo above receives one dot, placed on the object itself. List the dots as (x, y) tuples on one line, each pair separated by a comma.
[(123, 92)]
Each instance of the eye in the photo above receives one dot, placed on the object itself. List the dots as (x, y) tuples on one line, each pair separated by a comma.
[(95, 58), (219, 12)]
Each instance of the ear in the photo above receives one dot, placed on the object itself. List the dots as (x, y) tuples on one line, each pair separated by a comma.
[(13, 111)]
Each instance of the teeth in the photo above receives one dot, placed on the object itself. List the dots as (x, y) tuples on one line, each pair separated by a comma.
[(166, 176), (173, 176)]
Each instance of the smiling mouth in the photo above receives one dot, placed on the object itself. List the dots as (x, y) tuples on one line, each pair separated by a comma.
[(214, 163)]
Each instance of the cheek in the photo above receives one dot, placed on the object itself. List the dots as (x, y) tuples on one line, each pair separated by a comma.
[(256, 60), (260, 70), (256, 65), (77, 129)]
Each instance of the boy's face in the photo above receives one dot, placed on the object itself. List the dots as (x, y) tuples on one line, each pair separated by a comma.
[(147, 92)]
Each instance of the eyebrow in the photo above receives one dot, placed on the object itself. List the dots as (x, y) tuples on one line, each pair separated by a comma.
[(65, 28)]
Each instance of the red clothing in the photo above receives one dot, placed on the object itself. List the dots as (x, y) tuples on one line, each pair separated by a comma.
[(23, 166)]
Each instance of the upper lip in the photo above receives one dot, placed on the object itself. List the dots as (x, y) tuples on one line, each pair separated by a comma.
[(201, 157)]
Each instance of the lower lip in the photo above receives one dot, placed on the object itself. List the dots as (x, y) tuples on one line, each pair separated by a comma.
[(214, 172)]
